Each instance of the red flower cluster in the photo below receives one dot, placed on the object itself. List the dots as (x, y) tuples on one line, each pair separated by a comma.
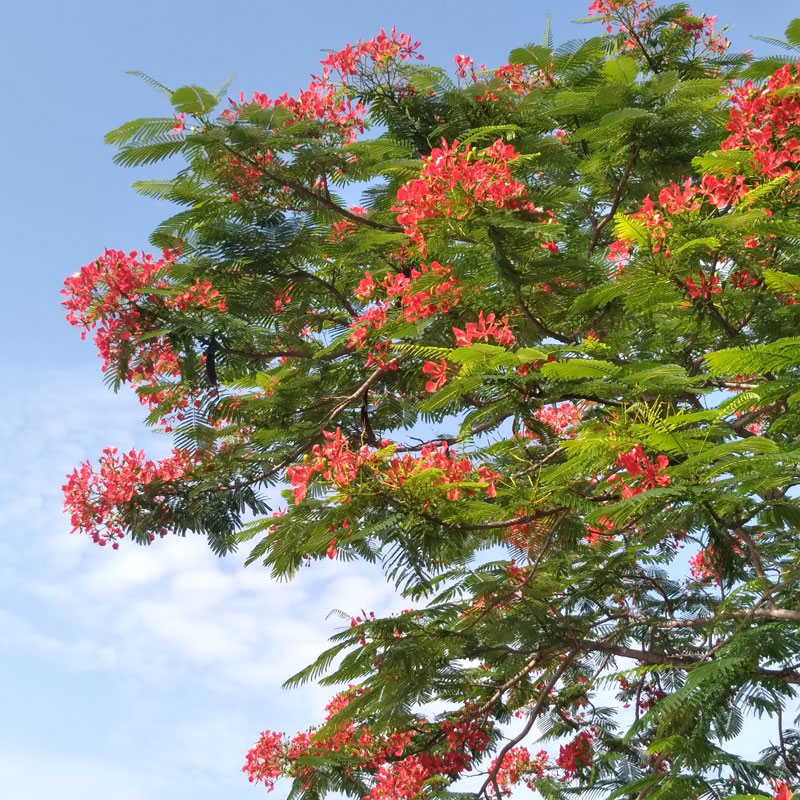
[(451, 182), (701, 566), (764, 121), (396, 778), (638, 465), (321, 102), (97, 502), (332, 459), (265, 760), (701, 30), (464, 65), (720, 192), (520, 79), (782, 791), (438, 373), (705, 288), (619, 253), (518, 766), (324, 101), (403, 780), (560, 417), (113, 296), (415, 303), (380, 50), (628, 15), (675, 200), (453, 470), (485, 327), (337, 464), (244, 177), (341, 230), (201, 294), (576, 755)]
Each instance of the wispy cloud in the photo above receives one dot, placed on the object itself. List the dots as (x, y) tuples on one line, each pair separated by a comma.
[(165, 661)]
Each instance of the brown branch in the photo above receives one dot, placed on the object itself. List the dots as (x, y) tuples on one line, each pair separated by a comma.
[(597, 229), (544, 696), (360, 391), (303, 191), (540, 327), (644, 656), (521, 520), (301, 273)]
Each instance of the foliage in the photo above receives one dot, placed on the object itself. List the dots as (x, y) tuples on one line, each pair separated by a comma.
[(547, 374)]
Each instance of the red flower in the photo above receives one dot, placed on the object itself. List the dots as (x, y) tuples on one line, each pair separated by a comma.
[(782, 791), (486, 327), (438, 373)]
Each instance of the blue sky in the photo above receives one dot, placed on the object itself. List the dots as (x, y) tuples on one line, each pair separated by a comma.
[(145, 674)]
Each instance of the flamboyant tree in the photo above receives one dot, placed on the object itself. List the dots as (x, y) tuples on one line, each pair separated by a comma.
[(546, 373)]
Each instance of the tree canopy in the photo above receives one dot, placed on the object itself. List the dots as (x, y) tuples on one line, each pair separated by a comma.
[(524, 336)]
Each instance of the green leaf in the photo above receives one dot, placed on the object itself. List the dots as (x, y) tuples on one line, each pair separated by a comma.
[(193, 100), (706, 243), (792, 32), (577, 369), (536, 55), (159, 87), (781, 282), (599, 296), (623, 70), (631, 229)]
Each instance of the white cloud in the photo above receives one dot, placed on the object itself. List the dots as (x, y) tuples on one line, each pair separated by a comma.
[(171, 654)]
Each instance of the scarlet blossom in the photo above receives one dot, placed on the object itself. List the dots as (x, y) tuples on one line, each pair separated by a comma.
[(450, 184), (701, 566), (742, 279), (464, 64), (485, 328), (722, 191), (180, 124), (333, 460), (650, 473), (519, 79), (341, 231), (438, 373), (676, 200), (619, 253), (763, 121), (451, 468), (265, 759), (629, 16), (562, 417), (576, 755), (415, 304), (113, 297), (705, 288), (596, 534), (655, 221), (782, 791), (517, 767), (98, 502), (381, 356), (366, 287)]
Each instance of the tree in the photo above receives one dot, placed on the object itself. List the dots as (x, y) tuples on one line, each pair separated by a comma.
[(546, 374)]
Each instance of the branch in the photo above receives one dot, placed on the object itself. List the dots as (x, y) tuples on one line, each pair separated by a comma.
[(324, 201), (361, 391), (615, 200), (544, 696), (521, 520), (538, 324)]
